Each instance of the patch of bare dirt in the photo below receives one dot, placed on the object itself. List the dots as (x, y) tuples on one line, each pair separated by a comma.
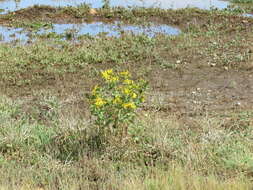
[(197, 91)]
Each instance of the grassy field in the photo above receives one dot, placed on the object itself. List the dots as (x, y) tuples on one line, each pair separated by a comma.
[(194, 131)]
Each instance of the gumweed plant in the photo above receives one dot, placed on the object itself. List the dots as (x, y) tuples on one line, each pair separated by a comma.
[(115, 101)]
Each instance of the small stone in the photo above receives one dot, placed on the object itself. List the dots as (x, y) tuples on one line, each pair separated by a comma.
[(238, 104), (178, 62), (226, 68)]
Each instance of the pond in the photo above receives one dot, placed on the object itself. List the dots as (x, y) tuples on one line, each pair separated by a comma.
[(8, 34), (110, 29), (12, 5)]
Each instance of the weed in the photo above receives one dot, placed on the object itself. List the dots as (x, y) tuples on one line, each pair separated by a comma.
[(114, 102)]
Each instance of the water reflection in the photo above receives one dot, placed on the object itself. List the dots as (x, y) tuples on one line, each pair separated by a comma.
[(8, 34), (248, 15), (11, 5), (175, 4), (112, 29)]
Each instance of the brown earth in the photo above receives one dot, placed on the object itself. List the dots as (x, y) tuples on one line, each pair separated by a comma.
[(193, 89)]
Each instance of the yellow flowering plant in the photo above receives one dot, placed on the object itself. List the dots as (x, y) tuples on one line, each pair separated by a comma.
[(114, 103)]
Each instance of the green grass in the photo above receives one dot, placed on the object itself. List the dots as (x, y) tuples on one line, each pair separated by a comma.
[(58, 149), (242, 1)]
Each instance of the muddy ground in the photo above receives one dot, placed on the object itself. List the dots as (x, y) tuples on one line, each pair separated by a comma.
[(201, 73)]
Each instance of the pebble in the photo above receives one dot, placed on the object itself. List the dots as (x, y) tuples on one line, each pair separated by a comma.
[(178, 62)]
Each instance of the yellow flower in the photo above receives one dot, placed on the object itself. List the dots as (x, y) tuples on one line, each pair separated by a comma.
[(134, 95), (130, 105), (114, 79), (127, 81), (109, 71), (125, 73), (127, 91), (117, 100), (99, 102), (107, 74)]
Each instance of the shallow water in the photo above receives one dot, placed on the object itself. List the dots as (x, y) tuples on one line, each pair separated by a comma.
[(111, 29), (115, 29), (11, 34), (248, 15), (12, 5)]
